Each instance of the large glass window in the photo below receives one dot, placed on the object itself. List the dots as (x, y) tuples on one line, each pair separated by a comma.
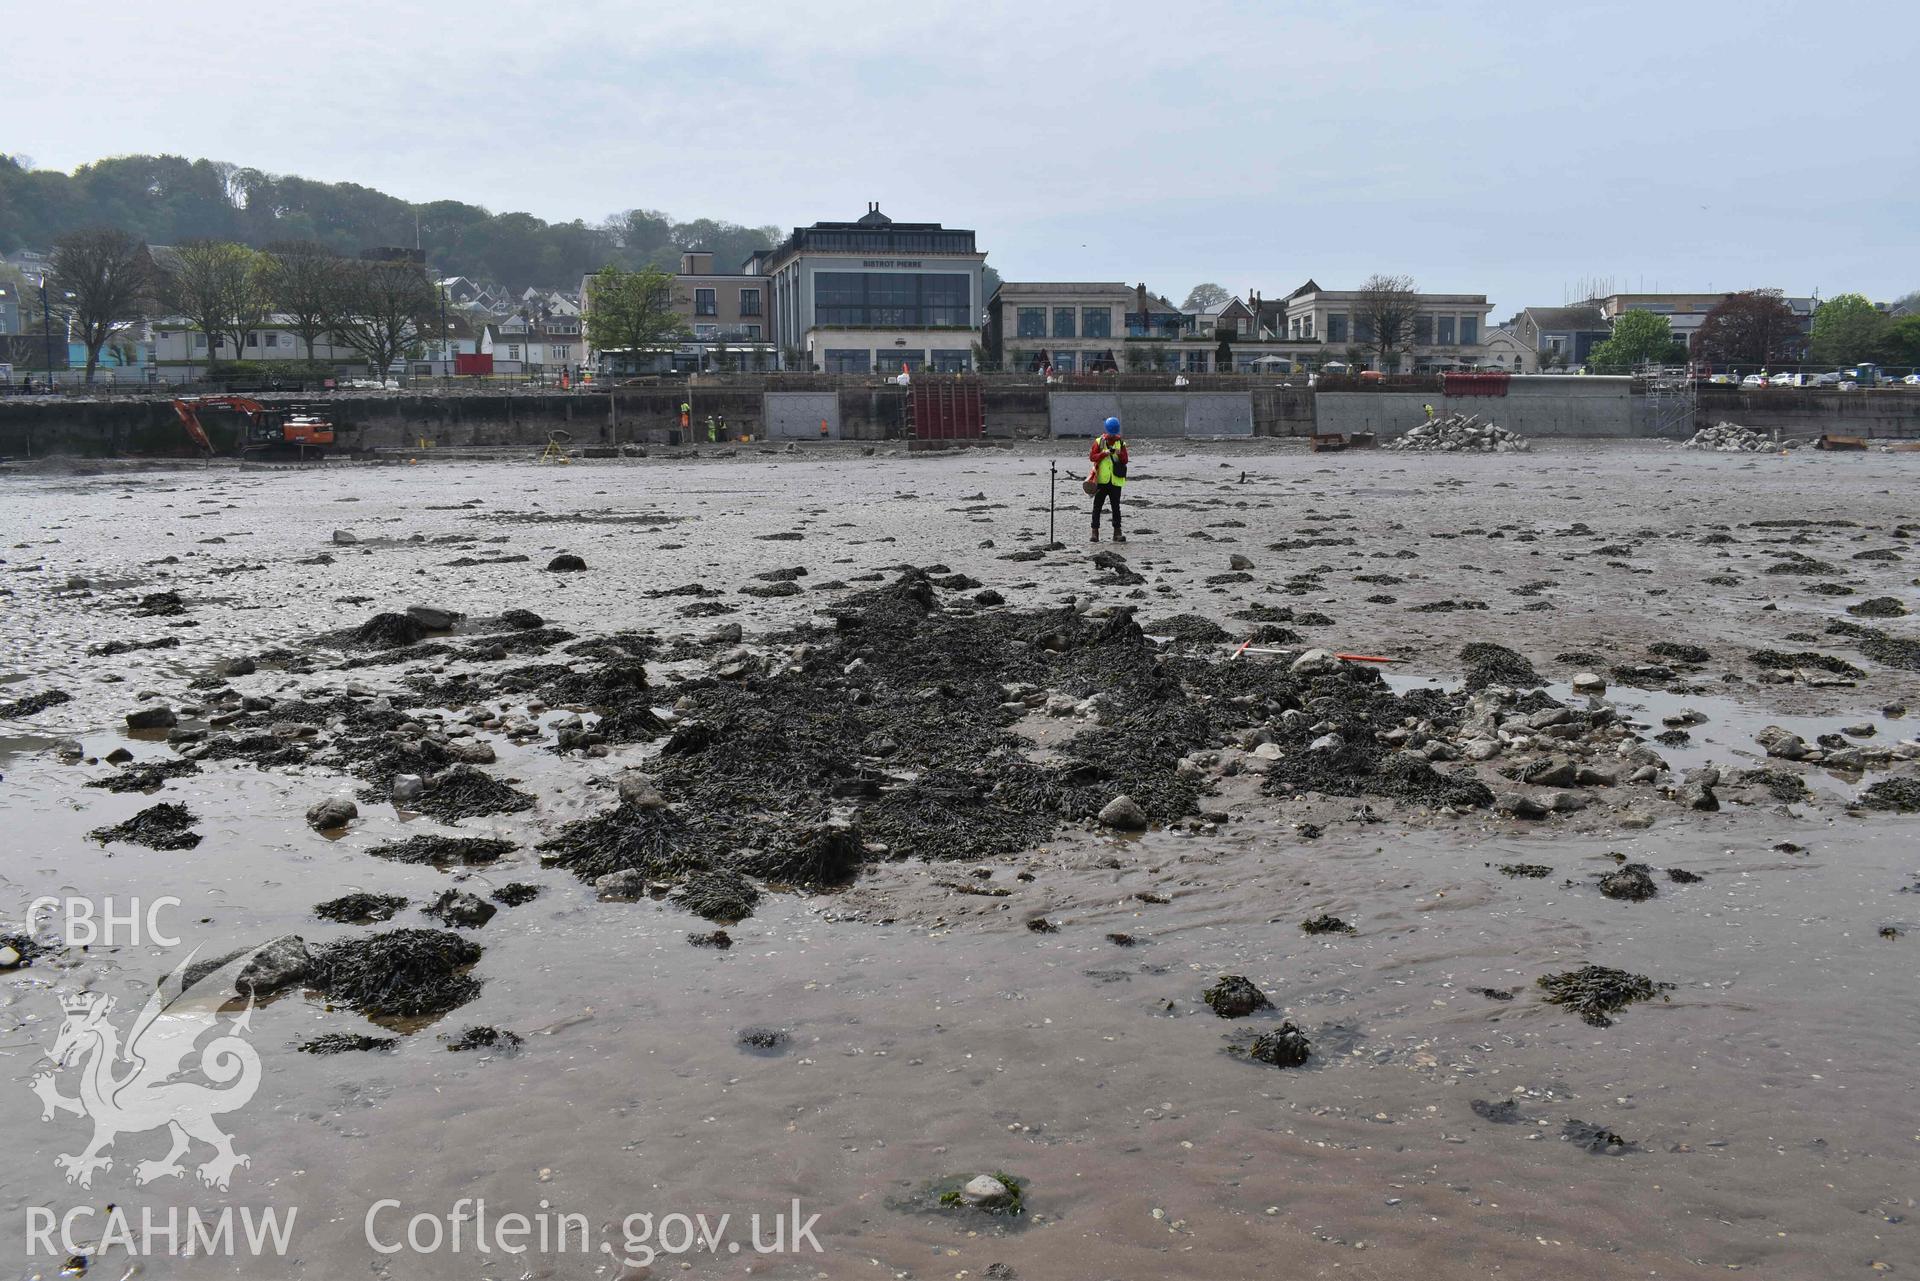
[(1336, 328), (1196, 362), (1063, 361), (1063, 325), (952, 361), (1096, 322), (1363, 329), (1469, 329), (1032, 322), (1423, 331), (749, 302), (896, 300), (1446, 331), (844, 361), (704, 304)]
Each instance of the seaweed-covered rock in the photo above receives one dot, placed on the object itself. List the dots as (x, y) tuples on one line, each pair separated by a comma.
[(720, 895), (486, 1037), (360, 908), (516, 893), (33, 703), (388, 631), (464, 791), (444, 850), (347, 1043), (1491, 664), (401, 973), (1595, 991), (1235, 997), (1901, 795), (158, 827), (459, 908), (1597, 1139), (566, 563), (1632, 883), (1286, 1046), (1326, 924)]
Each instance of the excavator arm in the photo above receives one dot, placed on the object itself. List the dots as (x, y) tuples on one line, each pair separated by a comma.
[(188, 410)]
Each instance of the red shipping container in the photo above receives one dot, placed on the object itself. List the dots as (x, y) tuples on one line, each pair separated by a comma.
[(471, 363)]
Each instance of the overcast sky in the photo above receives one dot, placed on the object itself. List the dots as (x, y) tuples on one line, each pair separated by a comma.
[(1515, 150)]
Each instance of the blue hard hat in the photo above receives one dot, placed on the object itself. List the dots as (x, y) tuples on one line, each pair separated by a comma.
[(1113, 426)]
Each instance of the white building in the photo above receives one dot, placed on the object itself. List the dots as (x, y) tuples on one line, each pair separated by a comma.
[(1447, 328)]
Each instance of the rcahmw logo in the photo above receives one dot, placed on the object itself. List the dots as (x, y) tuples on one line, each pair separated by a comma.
[(142, 1083)]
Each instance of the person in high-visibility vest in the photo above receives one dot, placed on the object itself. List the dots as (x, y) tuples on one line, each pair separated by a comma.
[(1109, 458), (713, 431), (1429, 409), (686, 414)]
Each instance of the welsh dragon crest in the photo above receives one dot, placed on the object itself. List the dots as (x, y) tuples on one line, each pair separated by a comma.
[(144, 1085)]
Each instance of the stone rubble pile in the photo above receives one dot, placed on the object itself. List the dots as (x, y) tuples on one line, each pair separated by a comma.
[(1731, 438), (1460, 432)]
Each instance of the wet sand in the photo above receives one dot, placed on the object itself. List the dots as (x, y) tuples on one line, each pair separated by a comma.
[(1771, 1099)]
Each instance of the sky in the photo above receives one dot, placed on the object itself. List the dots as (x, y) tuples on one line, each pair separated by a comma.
[(1518, 151)]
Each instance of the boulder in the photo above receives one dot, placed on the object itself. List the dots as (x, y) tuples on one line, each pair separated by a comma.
[(277, 965), (637, 790), (433, 618), (1239, 562), (626, 886), (332, 814), (159, 716), (986, 1192), (407, 788), (1589, 683), (344, 539), (1316, 662), (1124, 813), (1783, 743)]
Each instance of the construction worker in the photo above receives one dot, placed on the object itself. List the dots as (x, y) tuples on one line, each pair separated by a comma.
[(723, 428), (1429, 409), (1109, 458), (713, 431)]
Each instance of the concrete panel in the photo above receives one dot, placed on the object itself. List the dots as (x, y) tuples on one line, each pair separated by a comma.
[(1149, 415), (1080, 413), (796, 415), (1220, 414), (1587, 408)]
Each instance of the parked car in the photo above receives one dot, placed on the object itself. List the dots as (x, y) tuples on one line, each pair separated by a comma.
[(1912, 380), (1754, 380), (1723, 380), (1785, 380), (1832, 378)]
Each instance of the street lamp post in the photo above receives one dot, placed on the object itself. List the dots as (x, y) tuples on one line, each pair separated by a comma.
[(46, 327)]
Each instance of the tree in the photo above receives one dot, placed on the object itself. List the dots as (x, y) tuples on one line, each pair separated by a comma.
[(1900, 345), (108, 277), (306, 281), (383, 308), (1847, 330), (1205, 298), (1223, 354), (210, 282), (1755, 327), (1907, 304), (632, 311), (1639, 337), (1383, 315), (252, 303)]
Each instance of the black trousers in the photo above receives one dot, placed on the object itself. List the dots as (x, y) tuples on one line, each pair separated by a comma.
[(1106, 494)]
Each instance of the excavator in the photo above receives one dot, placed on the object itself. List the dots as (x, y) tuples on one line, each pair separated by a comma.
[(267, 430)]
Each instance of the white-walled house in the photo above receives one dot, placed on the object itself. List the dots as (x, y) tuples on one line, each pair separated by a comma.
[(179, 348)]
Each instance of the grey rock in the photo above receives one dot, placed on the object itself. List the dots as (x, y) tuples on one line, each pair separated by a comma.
[(332, 813), (1316, 662), (344, 539), (637, 790), (1124, 813), (1570, 802), (433, 618), (1589, 683), (1783, 743), (242, 666), (1327, 743), (1520, 805), (407, 788), (621, 887), (1553, 771), (157, 717), (986, 1192), (279, 964), (1698, 796), (1237, 561)]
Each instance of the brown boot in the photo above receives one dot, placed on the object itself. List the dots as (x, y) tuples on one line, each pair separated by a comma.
[(1096, 535)]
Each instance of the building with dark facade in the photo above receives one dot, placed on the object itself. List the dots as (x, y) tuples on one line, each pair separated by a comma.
[(873, 295)]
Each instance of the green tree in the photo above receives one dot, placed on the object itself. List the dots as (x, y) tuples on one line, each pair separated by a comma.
[(108, 276), (632, 311), (1639, 337), (1223, 354), (1847, 330), (1900, 344)]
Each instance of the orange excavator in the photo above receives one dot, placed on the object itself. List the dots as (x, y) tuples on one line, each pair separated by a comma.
[(266, 429)]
